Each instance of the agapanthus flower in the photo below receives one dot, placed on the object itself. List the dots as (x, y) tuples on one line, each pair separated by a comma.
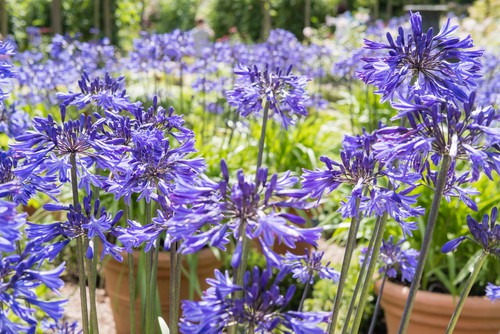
[(283, 92), (48, 148), (89, 219), (207, 213), (261, 307), (360, 169), (108, 94), (493, 291), (155, 165), (396, 260), (437, 128), (485, 233), (423, 63), (306, 267)]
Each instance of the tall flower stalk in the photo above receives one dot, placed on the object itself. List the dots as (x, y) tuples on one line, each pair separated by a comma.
[(80, 251)]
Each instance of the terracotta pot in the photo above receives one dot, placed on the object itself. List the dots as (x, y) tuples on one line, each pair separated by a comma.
[(117, 286), (432, 312)]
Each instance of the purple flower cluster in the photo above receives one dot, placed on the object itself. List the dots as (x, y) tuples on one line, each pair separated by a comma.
[(395, 260), (305, 267), (282, 91), (261, 307), (360, 168), (208, 212), (423, 63)]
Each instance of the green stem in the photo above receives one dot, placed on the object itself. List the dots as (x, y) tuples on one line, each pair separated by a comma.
[(377, 304), (177, 302), (92, 275), (262, 139), (362, 277), (306, 291), (80, 252), (174, 270), (149, 307), (463, 297), (371, 270), (153, 281), (131, 277), (181, 87), (426, 243), (245, 249), (131, 283), (351, 240)]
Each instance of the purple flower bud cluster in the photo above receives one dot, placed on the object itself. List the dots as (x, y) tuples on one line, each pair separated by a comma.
[(486, 233)]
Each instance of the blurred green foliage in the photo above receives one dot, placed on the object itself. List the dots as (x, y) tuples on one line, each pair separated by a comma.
[(247, 16)]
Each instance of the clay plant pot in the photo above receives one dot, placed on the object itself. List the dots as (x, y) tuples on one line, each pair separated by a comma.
[(117, 285), (432, 312)]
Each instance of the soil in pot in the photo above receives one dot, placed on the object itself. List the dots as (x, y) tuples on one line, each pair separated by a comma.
[(432, 312), (117, 285)]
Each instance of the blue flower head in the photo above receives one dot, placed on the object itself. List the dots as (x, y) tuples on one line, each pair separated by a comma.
[(305, 267), (261, 306), (420, 62), (284, 92)]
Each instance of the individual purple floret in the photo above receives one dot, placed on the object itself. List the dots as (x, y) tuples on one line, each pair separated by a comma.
[(305, 267), (261, 307), (207, 213), (485, 233), (396, 261), (420, 63), (284, 92), (493, 291)]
